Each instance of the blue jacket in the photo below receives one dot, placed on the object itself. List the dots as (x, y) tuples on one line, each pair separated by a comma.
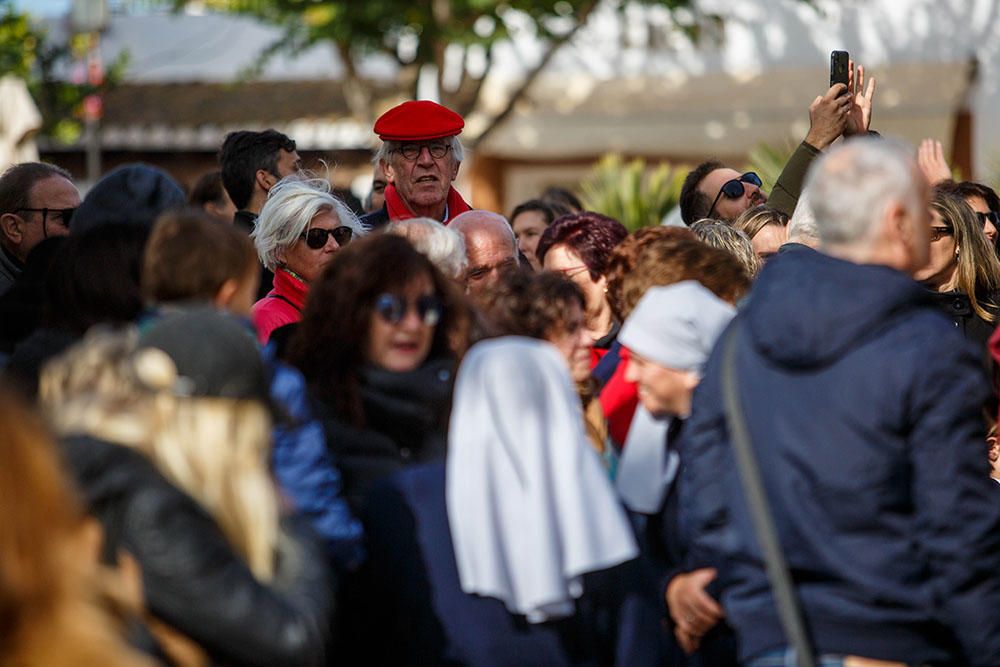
[(305, 470), (864, 409), (412, 611)]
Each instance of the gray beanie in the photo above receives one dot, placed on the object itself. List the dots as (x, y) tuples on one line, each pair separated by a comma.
[(215, 353), (676, 326)]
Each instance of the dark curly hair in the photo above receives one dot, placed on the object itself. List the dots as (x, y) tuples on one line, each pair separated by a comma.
[(590, 235), (330, 344), (524, 303), (626, 254)]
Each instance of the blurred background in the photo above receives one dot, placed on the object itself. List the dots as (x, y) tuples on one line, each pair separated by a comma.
[(613, 99)]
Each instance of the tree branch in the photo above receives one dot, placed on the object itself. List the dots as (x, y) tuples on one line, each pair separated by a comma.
[(533, 74)]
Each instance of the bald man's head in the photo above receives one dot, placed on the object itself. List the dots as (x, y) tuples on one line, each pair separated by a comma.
[(490, 246)]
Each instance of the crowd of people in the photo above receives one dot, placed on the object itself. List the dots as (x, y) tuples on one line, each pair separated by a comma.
[(253, 426)]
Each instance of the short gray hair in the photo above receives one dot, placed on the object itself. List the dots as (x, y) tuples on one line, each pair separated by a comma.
[(802, 225), (850, 187), (387, 147), (291, 205), (442, 245)]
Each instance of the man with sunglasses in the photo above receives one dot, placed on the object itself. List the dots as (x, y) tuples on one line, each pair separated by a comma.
[(420, 154), (37, 201), (713, 190)]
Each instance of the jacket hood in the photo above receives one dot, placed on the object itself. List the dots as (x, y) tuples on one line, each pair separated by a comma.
[(807, 309)]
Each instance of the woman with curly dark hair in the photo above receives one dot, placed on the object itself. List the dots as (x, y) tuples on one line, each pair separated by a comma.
[(378, 345)]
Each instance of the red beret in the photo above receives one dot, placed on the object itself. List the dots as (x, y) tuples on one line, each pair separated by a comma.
[(421, 120)]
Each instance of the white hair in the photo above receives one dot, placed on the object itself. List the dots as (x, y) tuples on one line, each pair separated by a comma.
[(291, 205), (850, 188), (385, 150), (802, 225), (443, 246)]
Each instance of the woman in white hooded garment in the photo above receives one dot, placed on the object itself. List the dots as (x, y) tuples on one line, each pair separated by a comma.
[(514, 551)]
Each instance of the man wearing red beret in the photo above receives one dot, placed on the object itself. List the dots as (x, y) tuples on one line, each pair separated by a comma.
[(420, 154)]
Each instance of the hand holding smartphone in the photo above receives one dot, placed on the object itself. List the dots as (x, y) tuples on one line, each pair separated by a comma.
[(839, 68)]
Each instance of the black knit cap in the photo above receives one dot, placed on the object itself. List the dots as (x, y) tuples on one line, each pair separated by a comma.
[(133, 194)]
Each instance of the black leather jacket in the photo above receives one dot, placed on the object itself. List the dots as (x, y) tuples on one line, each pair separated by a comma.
[(193, 580)]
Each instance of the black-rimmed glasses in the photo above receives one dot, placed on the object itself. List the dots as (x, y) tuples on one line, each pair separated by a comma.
[(412, 151), (734, 189), (59, 215), (317, 236)]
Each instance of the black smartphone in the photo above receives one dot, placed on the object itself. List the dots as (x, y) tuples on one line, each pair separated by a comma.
[(839, 67)]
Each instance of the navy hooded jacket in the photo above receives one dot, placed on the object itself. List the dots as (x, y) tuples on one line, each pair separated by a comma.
[(864, 409)]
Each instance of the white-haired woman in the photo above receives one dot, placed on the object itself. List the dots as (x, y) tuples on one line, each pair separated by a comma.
[(299, 229), (442, 245)]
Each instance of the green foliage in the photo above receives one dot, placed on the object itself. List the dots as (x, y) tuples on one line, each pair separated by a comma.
[(768, 161), (27, 52), (18, 41), (632, 192)]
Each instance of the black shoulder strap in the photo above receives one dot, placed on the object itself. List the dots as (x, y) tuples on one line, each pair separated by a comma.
[(285, 299), (760, 510)]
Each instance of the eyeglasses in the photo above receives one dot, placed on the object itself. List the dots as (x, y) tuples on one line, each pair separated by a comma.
[(393, 309), (938, 232), (412, 151), (317, 236), (992, 216), (571, 271), (60, 215), (734, 189)]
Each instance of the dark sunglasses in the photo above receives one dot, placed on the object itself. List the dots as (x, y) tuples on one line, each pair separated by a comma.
[(938, 232), (60, 215), (316, 237), (734, 189), (992, 216), (393, 309)]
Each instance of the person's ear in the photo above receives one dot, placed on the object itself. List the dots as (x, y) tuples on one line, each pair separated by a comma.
[(691, 380), (455, 164), (265, 180), (10, 226), (225, 293), (390, 173)]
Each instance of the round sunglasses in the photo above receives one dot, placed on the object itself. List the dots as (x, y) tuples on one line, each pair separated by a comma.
[(393, 309), (734, 189), (317, 236)]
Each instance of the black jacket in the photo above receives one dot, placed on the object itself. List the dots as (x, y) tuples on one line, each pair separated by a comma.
[(414, 596), (957, 306), (406, 420), (193, 580), (375, 219)]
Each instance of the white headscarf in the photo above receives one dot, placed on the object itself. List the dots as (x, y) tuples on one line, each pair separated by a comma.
[(529, 506)]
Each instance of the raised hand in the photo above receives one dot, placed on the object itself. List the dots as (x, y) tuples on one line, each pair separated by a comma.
[(828, 116), (930, 159), (859, 116)]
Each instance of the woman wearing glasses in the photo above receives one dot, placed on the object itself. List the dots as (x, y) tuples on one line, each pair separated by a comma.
[(300, 228), (963, 270), (376, 348)]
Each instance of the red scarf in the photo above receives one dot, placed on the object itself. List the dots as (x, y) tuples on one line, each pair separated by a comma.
[(398, 210)]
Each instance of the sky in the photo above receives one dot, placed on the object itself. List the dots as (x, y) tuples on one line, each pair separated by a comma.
[(44, 7)]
